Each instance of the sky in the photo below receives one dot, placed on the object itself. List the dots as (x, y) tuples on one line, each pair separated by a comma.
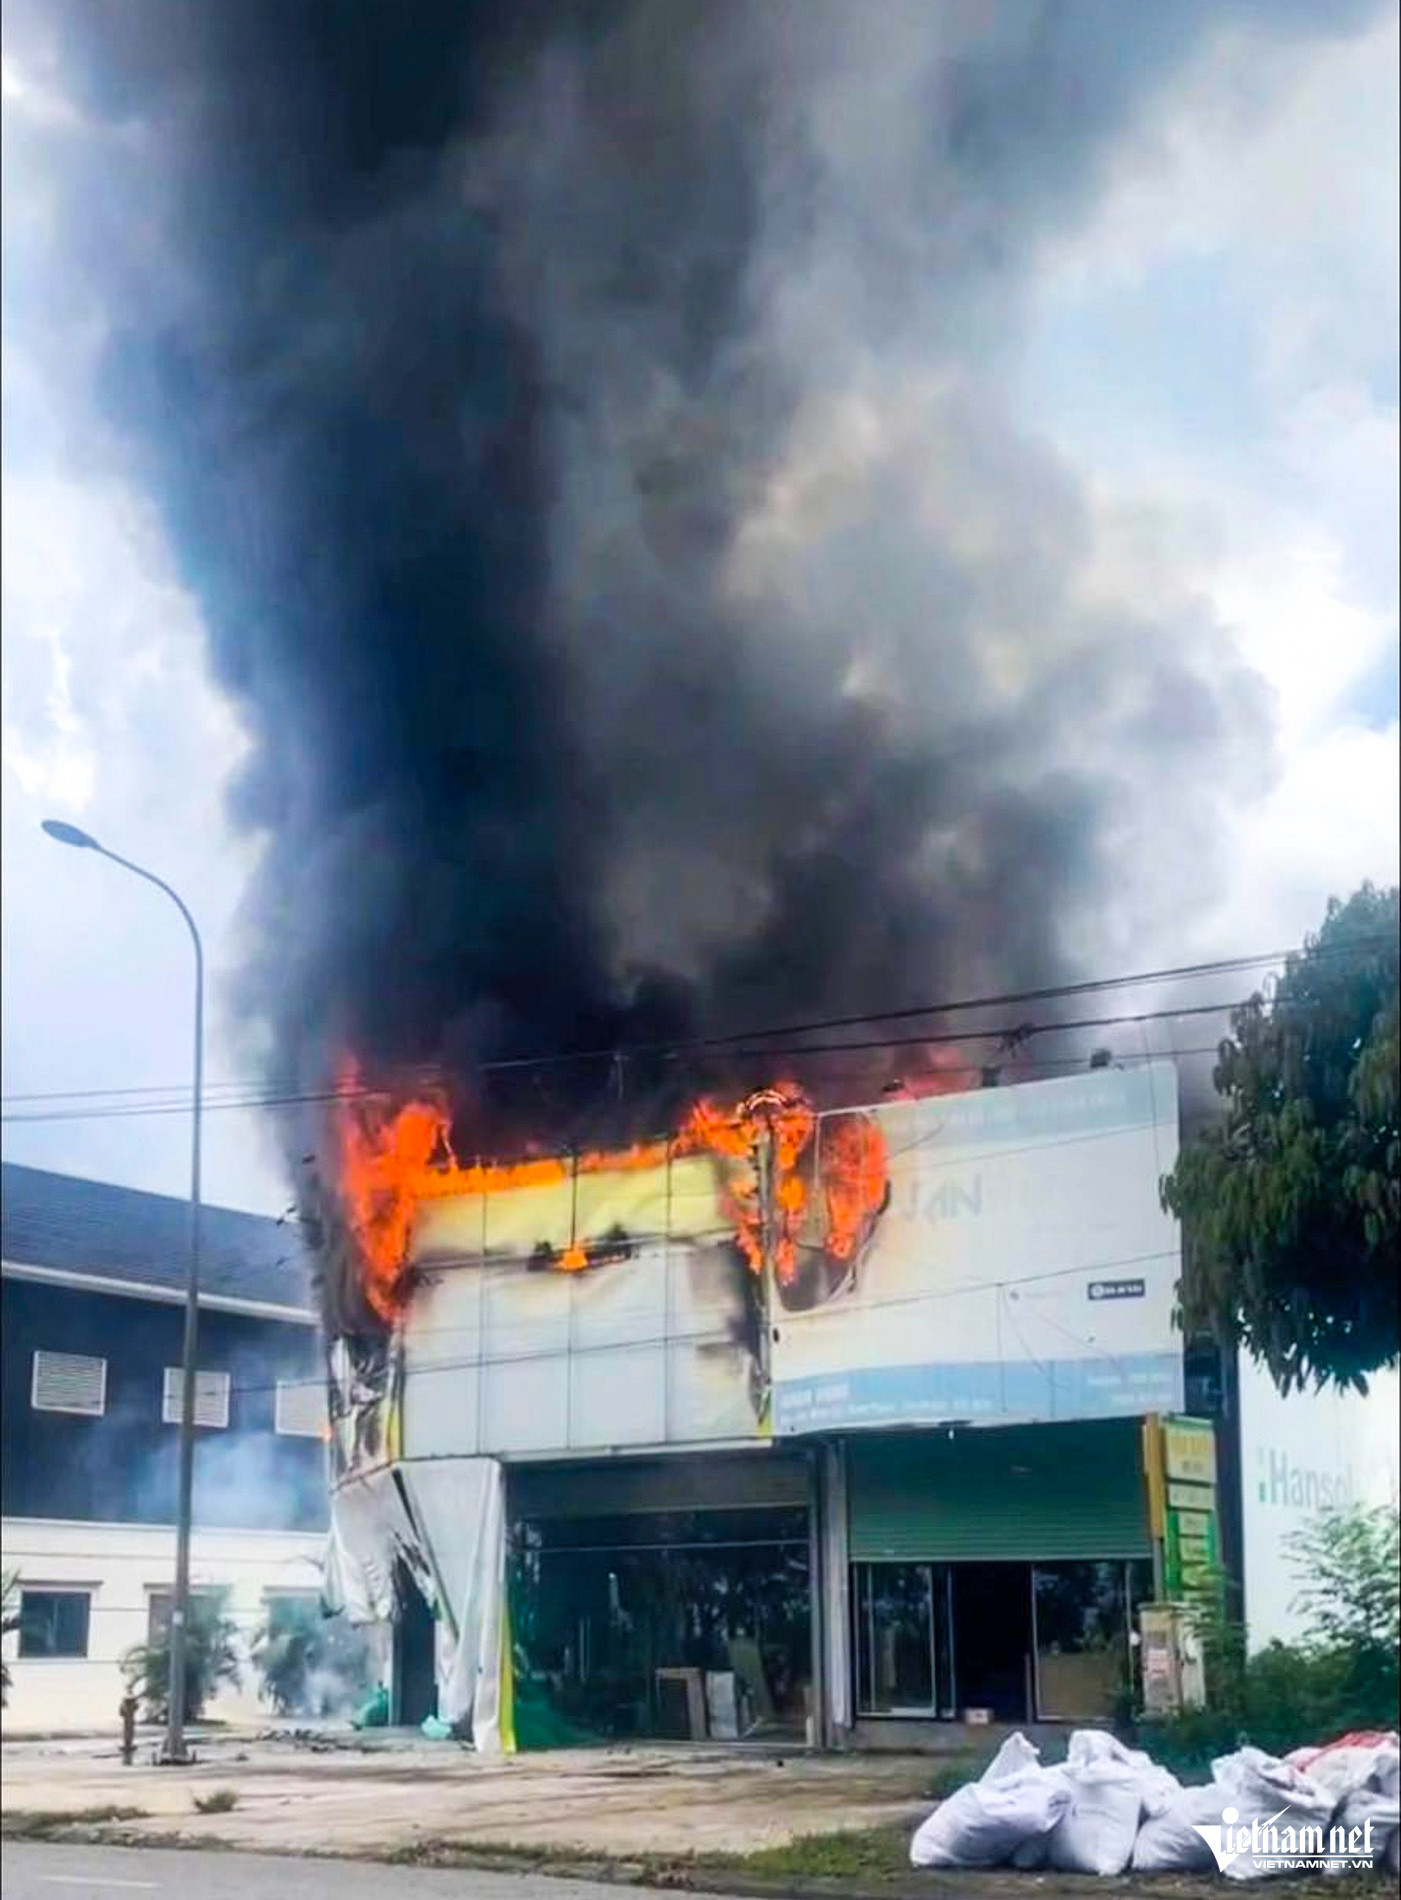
[(1210, 346)]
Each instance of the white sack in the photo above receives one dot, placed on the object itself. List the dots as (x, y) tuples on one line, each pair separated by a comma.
[(1347, 1767), (984, 1822), (1111, 1789), (1097, 1833), (1014, 1757), (1168, 1843), (1366, 1739), (1035, 1850), (1159, 1787), (1261, 1788), (1377, 1801)]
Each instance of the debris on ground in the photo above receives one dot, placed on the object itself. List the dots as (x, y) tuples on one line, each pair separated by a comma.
[(1108, 1807)]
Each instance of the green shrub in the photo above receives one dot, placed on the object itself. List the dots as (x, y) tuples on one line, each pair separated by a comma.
[(1341, 1675), (211, 1658), (309, 1663), (1348, 1563)]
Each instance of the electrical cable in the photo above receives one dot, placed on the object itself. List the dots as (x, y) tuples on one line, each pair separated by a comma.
[(270, 1094)]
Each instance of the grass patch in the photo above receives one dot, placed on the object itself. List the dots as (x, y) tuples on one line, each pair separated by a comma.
[(45, 1824), (873, 1856), (865, 1853), (218, 1801), (951, 1771)]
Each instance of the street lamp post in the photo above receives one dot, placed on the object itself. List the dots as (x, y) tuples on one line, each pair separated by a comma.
[(175, 1750)]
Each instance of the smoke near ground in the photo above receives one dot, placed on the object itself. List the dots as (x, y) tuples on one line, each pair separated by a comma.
[(582, 428)]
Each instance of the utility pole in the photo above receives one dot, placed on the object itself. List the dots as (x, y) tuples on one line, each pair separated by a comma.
[(175, 1750), (765, 1171)]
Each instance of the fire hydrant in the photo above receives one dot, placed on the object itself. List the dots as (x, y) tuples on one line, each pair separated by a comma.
[(128, 1728)]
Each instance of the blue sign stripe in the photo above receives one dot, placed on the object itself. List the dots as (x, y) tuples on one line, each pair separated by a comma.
[(1127, 1384)]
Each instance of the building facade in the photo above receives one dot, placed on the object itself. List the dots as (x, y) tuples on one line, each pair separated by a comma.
[(93, 1293), (832, 1444)]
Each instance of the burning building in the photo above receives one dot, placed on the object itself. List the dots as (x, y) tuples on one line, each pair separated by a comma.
[(590, 435), (796, 1423)]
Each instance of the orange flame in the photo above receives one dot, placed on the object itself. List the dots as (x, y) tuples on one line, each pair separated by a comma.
[(392, 1161)]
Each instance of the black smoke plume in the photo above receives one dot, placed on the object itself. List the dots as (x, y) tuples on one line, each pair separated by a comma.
[(581, 425)]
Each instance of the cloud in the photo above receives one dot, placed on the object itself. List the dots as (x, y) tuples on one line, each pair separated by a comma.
[(822, 574), (1256, 203)]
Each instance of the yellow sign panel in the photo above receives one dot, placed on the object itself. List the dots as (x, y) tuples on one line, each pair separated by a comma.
[(1153, 1471), (1189, 1450), (641, 1205)]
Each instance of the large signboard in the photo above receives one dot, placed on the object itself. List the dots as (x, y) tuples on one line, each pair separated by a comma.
[(1300, 1456), (985, 1256), (1180, 1460), (1022, 1266)]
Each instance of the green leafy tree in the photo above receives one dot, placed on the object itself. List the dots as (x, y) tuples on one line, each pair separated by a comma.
[(211, 1658), (1348, 1563), (1291, 1203), (1341, 1675)]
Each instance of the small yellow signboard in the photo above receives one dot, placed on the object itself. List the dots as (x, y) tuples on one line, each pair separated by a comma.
[(1179, 1462), (1189, 1450)]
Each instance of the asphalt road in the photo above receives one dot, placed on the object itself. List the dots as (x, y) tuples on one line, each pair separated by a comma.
[(32, 1871)]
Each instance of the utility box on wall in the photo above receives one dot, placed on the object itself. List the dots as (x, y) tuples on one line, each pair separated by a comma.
[(1171, 1658)]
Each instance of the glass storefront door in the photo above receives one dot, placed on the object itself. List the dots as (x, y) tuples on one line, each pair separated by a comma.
[(901, 1638), (1085, 1615), (680, 1625)]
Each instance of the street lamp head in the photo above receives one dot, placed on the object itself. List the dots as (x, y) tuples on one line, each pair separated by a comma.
[(69, 834)]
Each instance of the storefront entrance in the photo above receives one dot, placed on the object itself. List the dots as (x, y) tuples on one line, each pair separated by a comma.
[(997, 1571), (681, 1610), (1025, 1642)]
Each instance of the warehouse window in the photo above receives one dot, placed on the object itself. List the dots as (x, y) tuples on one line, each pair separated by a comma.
[(69, 1382), (211, 1397), (291, 1611), (53, 1623), (159, 1603), (301, 1408)]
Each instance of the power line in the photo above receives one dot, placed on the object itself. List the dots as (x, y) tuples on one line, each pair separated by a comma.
[(677, 1046), (1007, 1034)]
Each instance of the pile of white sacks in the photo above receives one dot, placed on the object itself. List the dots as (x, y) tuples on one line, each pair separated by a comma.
[(1108, 1808)]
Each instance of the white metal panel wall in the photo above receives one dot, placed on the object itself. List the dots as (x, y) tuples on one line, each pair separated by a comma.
[(1299, 1456), (643, 1351)]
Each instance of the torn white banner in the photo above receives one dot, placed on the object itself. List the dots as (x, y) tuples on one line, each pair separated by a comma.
[(370, 1531), (460, 1508)]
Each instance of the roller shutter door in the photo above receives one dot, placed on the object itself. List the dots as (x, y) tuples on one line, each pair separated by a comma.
[(1015, 1494)]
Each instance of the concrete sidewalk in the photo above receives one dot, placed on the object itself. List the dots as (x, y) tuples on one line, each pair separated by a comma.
[(329, 1793)]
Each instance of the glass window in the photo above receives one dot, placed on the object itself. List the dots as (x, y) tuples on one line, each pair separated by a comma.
[(69, 1382), (211, 1398), (158, 1604), (54, 1622), (900, 1612), (1083, 1620), (292, 1610), (682, 1625), (300, 1408)]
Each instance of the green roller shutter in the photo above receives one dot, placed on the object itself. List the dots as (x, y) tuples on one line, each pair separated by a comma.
[(1011, 1494)]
